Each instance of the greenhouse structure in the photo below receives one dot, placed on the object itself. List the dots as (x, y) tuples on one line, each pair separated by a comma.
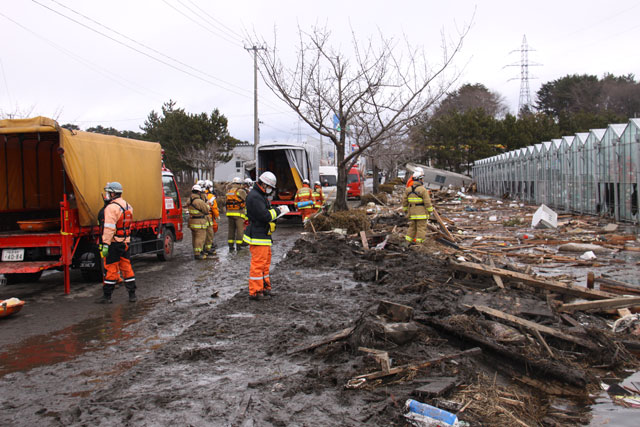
[(594, 172)]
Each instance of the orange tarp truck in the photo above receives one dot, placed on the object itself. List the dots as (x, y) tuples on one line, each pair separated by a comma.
[(51, 185)]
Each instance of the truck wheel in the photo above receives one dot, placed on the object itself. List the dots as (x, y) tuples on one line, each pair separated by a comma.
[(91, 275), (168, 242), (22, 277)]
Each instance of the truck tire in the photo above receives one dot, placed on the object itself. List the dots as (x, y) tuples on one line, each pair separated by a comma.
[(168, 241), (91, 275), (22, 277)]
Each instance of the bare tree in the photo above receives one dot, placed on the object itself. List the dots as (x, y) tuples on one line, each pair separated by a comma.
[(372, 95)]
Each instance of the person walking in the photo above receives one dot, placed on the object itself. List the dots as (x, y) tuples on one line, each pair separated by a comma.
[(258, 233), (304, 200), (235, 204), (114, 249), (198, 213), (416, 203)]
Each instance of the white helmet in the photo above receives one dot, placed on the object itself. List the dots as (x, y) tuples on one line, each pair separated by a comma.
[(200, 182), (317, 183), (248, 181), (208, 184), (269, 179), (418, 173), (305, 181), (197, 188), (236, 180)]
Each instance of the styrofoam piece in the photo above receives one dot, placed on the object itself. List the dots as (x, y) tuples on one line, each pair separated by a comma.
[(544, 217)]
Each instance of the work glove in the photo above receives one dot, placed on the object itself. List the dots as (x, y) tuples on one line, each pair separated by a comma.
[(284, 209), (104, 250), (246, 222)]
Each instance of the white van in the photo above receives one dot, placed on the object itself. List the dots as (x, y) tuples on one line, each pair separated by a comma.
[(329, 180)]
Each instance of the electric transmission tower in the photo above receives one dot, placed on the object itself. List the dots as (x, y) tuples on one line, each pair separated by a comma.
[(524, 103)]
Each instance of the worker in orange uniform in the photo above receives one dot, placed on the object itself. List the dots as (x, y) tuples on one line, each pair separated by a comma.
[(212, 218), (416, 203), (236, 197), (258, 233), (116, 237), (318, 196), (198, 214), (304, 200)]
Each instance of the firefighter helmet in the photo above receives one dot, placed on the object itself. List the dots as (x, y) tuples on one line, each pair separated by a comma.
[(269, 179), (208, 184), (236, 180), (317, 183), (305, 181), (248, 181), (196, 188), (418, 173)]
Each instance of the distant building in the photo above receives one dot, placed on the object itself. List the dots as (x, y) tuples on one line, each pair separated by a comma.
[(242, 160)]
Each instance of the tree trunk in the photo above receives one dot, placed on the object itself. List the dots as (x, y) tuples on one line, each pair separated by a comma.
[(376, 173), (341, 188)]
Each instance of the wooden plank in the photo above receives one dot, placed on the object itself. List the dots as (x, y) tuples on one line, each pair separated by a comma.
[(381, 356), (535, 326), (444, 228), (415, 366), (496, 278), (604, 304), (618, 290), (395, 312), (436, 387), (335, 337), (543, 342), (549, 284), (624, 312), (363, 237)]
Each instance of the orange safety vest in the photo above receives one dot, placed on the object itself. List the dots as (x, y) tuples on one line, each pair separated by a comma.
[(234, 202), (304, 195), (123, 226)]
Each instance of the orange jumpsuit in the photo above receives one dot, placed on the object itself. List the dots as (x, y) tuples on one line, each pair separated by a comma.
[(304, 196), (118, 215)]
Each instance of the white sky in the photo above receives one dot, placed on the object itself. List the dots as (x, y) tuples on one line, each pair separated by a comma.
[(60, 69)]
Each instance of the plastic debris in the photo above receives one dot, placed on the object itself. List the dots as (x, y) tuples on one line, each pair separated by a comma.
[(588, 256), (493, 218), (423, 415), (544, 218)]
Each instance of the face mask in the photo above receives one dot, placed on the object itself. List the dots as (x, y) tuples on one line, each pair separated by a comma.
[(269, 190)]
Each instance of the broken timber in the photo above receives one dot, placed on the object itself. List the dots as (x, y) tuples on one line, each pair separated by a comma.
[(444, 228), (541, 366), (414, 366), (604, 304), (535, 326), (553, 285), (328, 340)]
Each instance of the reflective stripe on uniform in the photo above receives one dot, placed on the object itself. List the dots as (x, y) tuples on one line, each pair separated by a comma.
[(430, 209), (256, 278), (273, 214), (235, 214), (419, 217), (408, 239), (109, 225), (416, 200), (257, 242), (198, 226)]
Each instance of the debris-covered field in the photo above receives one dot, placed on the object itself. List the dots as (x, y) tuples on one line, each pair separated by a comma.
[(488, 319)]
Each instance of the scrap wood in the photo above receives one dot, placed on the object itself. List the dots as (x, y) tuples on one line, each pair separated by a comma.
[(415, 366), (496, 278), (549, 284), (381, 356), (535, 326), (543, 342), (541, 366), (328, 340), (444, 228), (513, 417), (548, 388), (601, 304), (363, 237)]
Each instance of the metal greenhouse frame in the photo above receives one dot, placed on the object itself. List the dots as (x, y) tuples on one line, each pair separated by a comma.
[(595, 172)]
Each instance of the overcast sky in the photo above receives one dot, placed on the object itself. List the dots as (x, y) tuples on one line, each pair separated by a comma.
[(55, 67)]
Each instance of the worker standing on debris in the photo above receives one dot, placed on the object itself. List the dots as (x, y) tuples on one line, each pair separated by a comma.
[(236, 197), (116, 237), (198, 220), (212, 218), (318, 196), (258, 233), (416, 203), (304, 200)]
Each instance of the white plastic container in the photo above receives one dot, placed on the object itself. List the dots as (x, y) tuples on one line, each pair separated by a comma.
[(544, 217)]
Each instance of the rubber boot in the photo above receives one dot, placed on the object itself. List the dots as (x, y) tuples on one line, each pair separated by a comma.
[(107, 290), (200, 256), (232, 247), (131, 287), (132, 296)]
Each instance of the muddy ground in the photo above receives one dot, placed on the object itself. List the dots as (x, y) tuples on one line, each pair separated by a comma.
[(181, 357)]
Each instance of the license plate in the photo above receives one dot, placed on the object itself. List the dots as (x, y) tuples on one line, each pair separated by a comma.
[(12, 254)]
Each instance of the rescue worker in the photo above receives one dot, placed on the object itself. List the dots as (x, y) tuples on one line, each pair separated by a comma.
[(258, 233), (318, 196), (416, 203), (235, 204), (198, 212), (247, 185), (304, 200), (116, 237), (418, 171), (212, 217)]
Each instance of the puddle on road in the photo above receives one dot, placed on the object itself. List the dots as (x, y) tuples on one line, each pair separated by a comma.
[(68, 343)]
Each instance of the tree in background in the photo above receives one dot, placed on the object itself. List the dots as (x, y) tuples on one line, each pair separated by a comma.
[(115, 132), (471, 97), (370, 96), (192, 142)]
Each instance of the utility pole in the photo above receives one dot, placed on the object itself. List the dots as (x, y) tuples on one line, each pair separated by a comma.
[(256, 123)]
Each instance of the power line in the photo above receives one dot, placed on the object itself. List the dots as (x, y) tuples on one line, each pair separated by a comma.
[(233, 42), (219, 22), (141, 52), (88, 64)]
